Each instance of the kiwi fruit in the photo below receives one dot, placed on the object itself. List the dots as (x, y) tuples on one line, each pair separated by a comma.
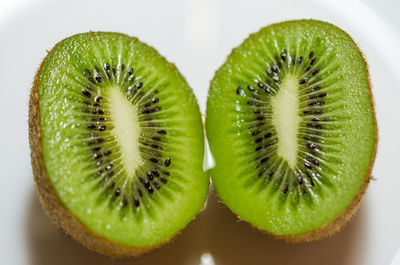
[(117, 144), (290, 122)]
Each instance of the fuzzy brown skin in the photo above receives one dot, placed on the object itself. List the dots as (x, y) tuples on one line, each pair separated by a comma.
[(53, 206), (339, 221)]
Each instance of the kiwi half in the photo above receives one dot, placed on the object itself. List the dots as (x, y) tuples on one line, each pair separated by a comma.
[(291, 125), (116, 142)]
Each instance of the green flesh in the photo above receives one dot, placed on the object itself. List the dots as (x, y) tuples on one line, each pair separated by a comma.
[(98, 157), (291, 154)]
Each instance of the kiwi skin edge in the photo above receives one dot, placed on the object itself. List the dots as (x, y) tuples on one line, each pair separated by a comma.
[(339, 221), (50, 201)]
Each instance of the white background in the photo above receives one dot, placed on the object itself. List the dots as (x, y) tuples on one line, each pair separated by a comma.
[(197, 36)]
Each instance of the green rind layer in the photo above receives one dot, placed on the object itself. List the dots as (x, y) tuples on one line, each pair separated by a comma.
[(229, 137), (170, 211)]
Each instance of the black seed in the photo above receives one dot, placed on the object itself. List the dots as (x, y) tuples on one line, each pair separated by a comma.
[(251, 88), (163, 180), (130, 71), (299, 179), (107, 66), (311, 146), (102, 128), (146, 111), (307, 165), (122, 67), (162, 131), (155, 146), (148, 104), (114, 71), (261, 117), (303, 81), (155, 173), (308, 69), (139, 85), (140, 192), (124, 202), (155, 100), (98, 78), (91, 126), (316, 71), (255, 133), (86, 93), (239, 91), (154, 160), (265, 159), (86, 102), (107, 153), (117, 192), (317, 88), (150, 189), (156, 138), (112, 185), (96, 156), (109, 166), (258, 148), (136, 201), (275, 78), (311, 55), (99, 112), (312, 61), (95, 149), (285, 190), (157, 185), (260, 85), (283, 55), (315, 119), (267, 135), (309, 124), (311, 180), (274, 68), (267, 90), (300, 59), (100, 140), (259, 140), (306, 111), (322, 95), (96, 105), (269, 72), (98, 99), (167, 162)]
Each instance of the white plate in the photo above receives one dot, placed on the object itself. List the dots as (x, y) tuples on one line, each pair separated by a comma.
[(197, 36)]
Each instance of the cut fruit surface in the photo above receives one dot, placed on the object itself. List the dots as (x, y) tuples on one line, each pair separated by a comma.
[(117, 137), (291, 125)]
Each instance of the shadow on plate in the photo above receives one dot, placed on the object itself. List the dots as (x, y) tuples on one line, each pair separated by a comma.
[(216, 230)]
